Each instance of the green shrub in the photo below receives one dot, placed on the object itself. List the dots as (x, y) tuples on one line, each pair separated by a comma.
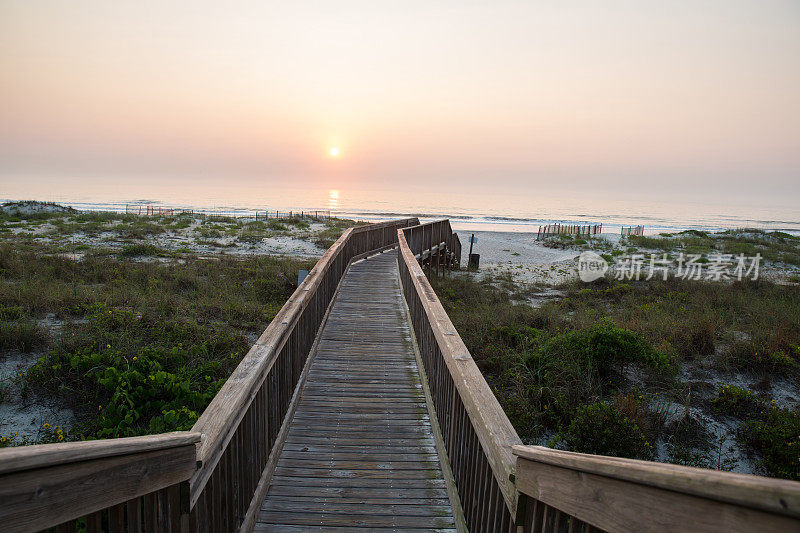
[(180, 223), (546, 376), (688, 442), (600, 348), (140, 375), (185, 319), (696, 338), (735, 401), (251, 236), (209, 233), (16, 211), (101, 216), (601, 429), (325, 238), (653, 243), (775, 435), (736, 248), (784, 235), (618, 290), (220, 219), (14, 312), (520, 336), (137, 250), (276, 225), (139, 229), (24, 335), (696, 233), (746, 356), (541, 365), (256, 225), (299, 223)]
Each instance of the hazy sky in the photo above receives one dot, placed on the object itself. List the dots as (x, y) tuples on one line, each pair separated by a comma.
[(501, 95)]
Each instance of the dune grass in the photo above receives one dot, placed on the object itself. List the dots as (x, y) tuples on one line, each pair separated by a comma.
[(774, 246), (144, 344), (596, 370)]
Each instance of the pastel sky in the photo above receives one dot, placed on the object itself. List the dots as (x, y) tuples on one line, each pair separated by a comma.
[(503, 95)]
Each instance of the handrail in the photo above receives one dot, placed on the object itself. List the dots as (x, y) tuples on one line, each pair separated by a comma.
[(46, 455), (127, 482), (617, 494), (242, 422), (552, 490), (213, 478), (203, 480), (477, 433), (425, 240), (215, 423)]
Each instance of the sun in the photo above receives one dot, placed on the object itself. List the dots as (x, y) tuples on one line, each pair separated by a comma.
[(334, 151)]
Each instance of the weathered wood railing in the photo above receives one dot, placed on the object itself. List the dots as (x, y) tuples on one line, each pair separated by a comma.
[(477, 435), (242, 423), (566, 491), (209, 479), (504, 486), (434, 244), (132, 484), (213, 478)]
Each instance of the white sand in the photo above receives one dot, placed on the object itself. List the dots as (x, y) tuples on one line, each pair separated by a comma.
[(293, 241), (521, 255), (21, 416)]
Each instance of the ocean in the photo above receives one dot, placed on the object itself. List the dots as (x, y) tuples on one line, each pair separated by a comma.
[(470, 211)]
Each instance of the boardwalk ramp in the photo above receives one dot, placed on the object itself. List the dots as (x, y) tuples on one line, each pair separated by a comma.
[(360, 409), (360, 450)]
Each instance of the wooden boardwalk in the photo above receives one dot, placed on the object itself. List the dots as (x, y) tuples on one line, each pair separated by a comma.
[(327, 425), (360, 452)]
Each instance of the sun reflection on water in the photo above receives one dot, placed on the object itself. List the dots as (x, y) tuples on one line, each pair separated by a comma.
[(333, 199)]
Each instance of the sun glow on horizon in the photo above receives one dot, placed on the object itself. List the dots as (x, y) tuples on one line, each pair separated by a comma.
[(334, 151)]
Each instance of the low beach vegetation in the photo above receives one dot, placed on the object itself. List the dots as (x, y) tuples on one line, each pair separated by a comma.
[(572, 372), (135, 339), (775, 247), (52, 224)]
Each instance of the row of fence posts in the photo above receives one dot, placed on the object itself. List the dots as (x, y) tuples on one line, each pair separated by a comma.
[(292, 214), (154, 210), (632, 230), (568, 229)]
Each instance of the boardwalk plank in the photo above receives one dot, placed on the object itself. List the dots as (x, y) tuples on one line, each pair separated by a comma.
[(360, 452)]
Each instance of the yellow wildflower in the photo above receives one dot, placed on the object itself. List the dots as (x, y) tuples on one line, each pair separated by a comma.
[(61, 437), (108, 346), (134, 358), (46, 425)]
